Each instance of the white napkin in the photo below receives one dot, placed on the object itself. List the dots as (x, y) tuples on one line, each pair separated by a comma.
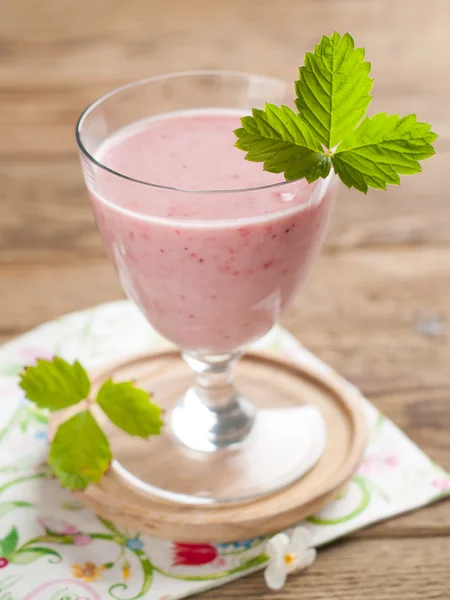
[(90, 559)]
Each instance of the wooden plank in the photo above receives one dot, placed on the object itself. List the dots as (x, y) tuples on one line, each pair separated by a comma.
[(93, 49), (35, 294), (411, 569), (52, 196), (360, 312)]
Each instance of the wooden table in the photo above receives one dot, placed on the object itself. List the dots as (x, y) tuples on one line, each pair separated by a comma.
[(385, 269)]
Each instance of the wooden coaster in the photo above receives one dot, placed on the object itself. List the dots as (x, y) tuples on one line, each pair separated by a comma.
[(167, 376)]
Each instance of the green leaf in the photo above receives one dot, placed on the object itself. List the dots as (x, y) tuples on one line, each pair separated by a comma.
[(29, 555), (333, 93), (130, 408), (79, 453), (333, 90), (9, 543), (278, 137), (55, 384), (382, 148)]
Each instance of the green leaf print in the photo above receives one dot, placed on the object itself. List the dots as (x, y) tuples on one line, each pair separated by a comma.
[(25, 415), (363, 504), (29, 555), (6, 507), (4, 431), (9, 543), (109, 525), (31, 415), (16, 481)]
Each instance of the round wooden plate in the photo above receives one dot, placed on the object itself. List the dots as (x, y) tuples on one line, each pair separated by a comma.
[(166, 375)]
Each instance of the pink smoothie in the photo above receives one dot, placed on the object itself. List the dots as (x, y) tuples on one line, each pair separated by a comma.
[(211, 271)]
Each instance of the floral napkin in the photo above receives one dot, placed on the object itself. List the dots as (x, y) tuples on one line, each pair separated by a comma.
[(51, 548)]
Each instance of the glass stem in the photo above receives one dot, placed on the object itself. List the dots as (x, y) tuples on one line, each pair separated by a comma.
[(212, 414)]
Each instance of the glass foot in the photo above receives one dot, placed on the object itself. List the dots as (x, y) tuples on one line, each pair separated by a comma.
[(284, 440), (282, 446)]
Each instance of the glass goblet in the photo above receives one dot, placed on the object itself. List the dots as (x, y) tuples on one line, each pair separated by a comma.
[(212, 257)]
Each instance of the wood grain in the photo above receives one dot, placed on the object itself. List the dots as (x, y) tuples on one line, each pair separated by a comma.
[(386, 264)]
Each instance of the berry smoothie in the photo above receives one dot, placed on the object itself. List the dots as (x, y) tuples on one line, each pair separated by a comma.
[(212, 271)]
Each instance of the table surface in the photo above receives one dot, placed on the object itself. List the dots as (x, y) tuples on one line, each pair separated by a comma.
[(376, 305)]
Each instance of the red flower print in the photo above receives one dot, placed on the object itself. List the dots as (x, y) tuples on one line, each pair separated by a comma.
[(193, 554), (4, 562)]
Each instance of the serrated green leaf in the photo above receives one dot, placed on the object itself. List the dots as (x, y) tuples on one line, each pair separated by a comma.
[(333, 90), (55, 384), (333, 93), (277, 137), (29, 555), (80, 452), (9, 543), (130, 408), (382, 148)]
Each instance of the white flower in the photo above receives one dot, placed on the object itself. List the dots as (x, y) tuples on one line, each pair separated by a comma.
[(288, 555)]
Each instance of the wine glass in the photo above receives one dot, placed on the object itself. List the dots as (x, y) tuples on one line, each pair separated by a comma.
[(211, 249)]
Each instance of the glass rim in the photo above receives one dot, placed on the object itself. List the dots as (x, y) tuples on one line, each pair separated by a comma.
[(156, 78)]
